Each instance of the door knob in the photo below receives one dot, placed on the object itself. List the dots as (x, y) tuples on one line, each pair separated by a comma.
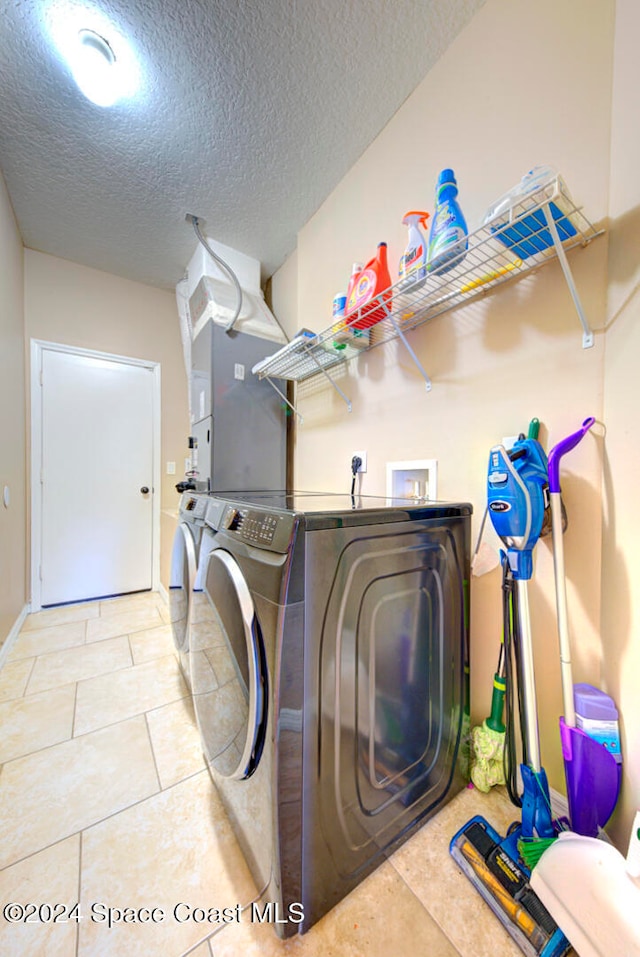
[(145, 490)]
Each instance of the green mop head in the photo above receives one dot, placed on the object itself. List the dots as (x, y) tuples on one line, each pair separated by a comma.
[(488, 743), (488, 765)]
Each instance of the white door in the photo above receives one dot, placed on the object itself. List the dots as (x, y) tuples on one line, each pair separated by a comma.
[(97, 436)]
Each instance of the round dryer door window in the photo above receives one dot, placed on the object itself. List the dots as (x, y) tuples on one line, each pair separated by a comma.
[(228, 672)]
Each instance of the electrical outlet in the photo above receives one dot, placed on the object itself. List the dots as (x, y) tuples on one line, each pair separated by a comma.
[(363, 457)]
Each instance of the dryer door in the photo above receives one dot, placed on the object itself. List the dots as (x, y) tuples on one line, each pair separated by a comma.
[(230, 683), (183, 575)]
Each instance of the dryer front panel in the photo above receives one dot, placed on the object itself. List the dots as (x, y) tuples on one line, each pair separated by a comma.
[(392, 689)]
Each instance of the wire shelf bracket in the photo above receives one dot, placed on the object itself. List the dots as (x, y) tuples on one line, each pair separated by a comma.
[(587, 334)]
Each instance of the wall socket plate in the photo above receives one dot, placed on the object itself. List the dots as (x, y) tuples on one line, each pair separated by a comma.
[(363, 456)]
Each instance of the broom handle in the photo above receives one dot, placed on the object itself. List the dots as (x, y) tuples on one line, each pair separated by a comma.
[(555, 455), (561, 606)]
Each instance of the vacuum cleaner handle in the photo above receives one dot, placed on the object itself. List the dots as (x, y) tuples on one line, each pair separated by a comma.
[(562, 447)]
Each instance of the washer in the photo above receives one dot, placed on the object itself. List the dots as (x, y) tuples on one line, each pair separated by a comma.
[(186, 601), (333, 707)]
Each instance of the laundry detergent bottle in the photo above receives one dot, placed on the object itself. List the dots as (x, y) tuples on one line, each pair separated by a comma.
[(448, 240), (413, 265), (372, 283)]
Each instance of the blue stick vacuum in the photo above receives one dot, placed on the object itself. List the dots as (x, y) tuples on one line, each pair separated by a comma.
[(516, 492)]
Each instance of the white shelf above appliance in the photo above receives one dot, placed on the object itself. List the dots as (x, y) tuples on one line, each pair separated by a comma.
[(542, 226)]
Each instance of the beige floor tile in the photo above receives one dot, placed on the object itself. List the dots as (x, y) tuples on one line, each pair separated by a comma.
[(50, 877), (13, 678), (41, 641), (175, 848), (451, 899), (176, 741), (152, 643), (76, 664), (108, 698), (381, 917), (202, 950), (62, 615), (35, 722), (73, 785), (165, 614), (138, 602), (123, 623), (201, 609)]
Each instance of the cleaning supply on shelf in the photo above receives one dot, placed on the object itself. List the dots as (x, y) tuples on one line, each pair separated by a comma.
[(338, 324), (413, 264), (342, 335), (530, 235), (448, 236), (370, 295), (356, 269)]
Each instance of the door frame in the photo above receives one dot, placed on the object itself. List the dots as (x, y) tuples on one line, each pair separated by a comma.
[(38, 348)]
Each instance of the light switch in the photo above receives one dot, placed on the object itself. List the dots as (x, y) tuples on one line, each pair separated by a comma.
[(171, 468)]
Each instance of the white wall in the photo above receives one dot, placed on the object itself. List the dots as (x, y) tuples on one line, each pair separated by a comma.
[(13, 527), (621, 534), (78, 306), (524, 84)]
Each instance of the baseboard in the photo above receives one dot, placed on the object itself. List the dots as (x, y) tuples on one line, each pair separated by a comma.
[(164, 594), (559, 804), (10, 640)]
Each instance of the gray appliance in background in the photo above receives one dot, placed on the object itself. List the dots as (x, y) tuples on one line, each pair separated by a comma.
[(333, 710), (238, 420), (185, 588)]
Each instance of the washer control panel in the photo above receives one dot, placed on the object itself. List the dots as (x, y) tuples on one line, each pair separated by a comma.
[(193, 508), (260, 528)]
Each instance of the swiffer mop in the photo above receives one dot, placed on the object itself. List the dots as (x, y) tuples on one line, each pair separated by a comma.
[(592, 770), (516, 487), (488, 767)]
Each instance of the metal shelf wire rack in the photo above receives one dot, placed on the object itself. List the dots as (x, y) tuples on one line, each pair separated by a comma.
[(539, 228)]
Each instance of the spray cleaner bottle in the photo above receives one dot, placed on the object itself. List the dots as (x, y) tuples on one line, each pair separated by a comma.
[(448, 227), (413, 265)]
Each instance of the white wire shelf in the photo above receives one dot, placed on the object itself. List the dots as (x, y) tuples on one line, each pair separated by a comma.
[(541, 227)]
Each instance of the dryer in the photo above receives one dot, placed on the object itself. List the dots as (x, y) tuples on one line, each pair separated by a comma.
[(333, 708), (187, 604)]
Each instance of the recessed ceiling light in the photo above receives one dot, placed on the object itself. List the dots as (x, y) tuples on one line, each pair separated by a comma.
[(94, 68), (101, 61)]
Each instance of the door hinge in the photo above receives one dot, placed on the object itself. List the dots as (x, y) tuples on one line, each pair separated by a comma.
[(40, 572)]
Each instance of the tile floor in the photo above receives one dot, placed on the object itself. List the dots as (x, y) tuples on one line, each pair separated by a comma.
[(105, 800)]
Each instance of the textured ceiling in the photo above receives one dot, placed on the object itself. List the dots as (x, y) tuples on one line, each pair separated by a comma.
[(249, 114)]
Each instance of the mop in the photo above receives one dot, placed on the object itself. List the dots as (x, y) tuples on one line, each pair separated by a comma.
[(489, 765), (591, 770), (585, 883), (516, 488)]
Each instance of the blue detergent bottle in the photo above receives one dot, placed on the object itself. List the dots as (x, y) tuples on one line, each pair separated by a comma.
[(448, 236)]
